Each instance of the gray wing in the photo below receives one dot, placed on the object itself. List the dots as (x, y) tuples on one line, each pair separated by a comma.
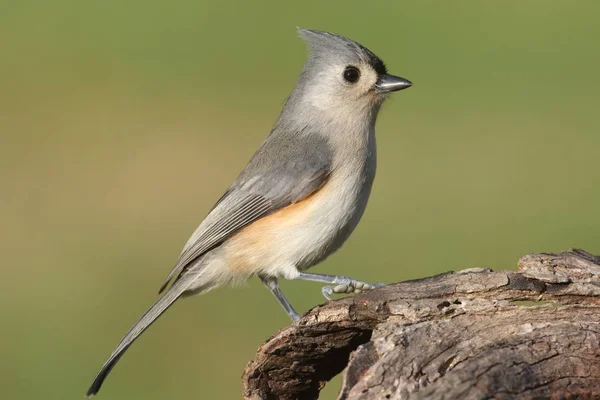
[(252, 197)]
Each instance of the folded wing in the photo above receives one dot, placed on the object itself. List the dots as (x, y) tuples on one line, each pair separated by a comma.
[(256, 196)]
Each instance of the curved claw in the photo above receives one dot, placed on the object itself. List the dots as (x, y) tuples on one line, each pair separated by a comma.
[(327, 291)]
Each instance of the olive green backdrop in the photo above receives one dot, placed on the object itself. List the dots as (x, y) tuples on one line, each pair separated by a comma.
[(122, 122)]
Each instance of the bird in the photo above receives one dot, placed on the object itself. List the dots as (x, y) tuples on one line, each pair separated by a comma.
[(301, 194)]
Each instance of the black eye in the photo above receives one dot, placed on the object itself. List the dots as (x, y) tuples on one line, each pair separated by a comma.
[(351, 74)]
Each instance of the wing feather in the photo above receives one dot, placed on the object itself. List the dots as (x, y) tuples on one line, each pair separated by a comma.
[(248, 201)]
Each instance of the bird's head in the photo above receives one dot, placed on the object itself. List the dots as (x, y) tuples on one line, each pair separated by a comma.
[(343, 75)]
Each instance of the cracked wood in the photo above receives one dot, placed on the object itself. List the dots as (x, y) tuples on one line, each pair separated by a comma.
[(455, 335)]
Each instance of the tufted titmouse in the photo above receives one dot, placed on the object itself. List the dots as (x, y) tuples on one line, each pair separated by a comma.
[(302, 193)]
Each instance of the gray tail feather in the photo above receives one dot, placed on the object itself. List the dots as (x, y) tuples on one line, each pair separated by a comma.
[(161, 305)]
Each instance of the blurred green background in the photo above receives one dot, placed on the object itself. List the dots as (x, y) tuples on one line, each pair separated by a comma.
[(122, 122)]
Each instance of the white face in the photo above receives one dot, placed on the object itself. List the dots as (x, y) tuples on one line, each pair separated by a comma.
[(345, 87)]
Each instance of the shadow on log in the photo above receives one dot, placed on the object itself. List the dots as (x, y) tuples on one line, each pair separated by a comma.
[(461, 335)]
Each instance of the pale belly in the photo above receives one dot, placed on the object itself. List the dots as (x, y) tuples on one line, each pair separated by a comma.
[(301, 235)]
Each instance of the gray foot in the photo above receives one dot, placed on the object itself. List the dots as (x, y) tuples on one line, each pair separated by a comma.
[(347, 287)]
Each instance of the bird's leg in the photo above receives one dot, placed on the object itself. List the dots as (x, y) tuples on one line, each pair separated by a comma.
[(273, 286), (343, 284)]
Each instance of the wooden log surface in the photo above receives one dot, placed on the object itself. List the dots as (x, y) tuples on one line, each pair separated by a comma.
[(458, 335)]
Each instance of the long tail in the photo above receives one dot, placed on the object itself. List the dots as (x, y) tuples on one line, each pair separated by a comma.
[(147, 319)]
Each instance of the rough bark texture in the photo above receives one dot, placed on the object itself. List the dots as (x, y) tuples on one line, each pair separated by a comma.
[(452, 336)]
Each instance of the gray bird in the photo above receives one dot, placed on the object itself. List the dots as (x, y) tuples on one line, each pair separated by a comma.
[(302, 193)]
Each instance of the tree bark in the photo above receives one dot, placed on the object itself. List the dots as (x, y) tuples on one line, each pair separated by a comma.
[(458, 335)]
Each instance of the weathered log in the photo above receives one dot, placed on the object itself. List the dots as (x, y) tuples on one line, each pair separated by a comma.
[(457, 335)]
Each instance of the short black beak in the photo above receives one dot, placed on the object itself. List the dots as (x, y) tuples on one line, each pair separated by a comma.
[(390, 83)]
